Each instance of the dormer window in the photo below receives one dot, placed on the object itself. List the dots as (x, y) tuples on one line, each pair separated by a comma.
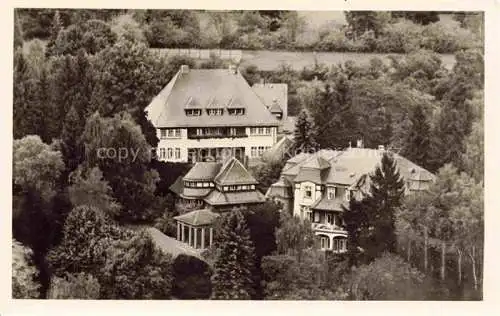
[(331, 193), (193, 112), (236, 111), (215, 112)]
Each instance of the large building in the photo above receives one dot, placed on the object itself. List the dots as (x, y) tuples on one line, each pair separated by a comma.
[(316, 186), (211, 188), (206, 114)]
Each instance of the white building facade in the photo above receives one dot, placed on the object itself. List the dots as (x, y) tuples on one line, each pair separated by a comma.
[(209, 114)]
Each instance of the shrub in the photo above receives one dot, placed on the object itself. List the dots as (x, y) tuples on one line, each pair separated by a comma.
[(74, 286), (24, 272), (387, 278), (191, 278), (166, 224), (401, 37), (92, 35), (447, 38), (135, 268)]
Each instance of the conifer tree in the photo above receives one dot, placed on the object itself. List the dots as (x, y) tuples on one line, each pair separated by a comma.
[(356, 224), (70, 135), (27, 114), (305, 132), (63, 83), (55, 28), (18, 32), (448, 139), (386, 193), (233, 267), (416, 147), (333, 115)]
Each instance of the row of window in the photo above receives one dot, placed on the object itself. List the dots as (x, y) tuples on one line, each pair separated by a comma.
[(257, 151), (218, 131), (256, 131), (170, 153), (338, 245), (198, 184), (233, 188), (170, 133), (215, 112), (330, 191)]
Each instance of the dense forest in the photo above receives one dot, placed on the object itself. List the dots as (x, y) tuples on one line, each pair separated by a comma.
[(82, 79)]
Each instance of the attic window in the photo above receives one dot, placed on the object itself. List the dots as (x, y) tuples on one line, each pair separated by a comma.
[(236, 111), (215, 112), (193, 112)]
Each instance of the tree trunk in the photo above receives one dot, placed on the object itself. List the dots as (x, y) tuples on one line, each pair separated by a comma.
[(409, 250), (473, 259), (426, 256), (459, 265), (443, 260)]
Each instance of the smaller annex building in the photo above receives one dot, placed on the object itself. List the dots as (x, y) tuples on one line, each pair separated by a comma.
[(209, 189)]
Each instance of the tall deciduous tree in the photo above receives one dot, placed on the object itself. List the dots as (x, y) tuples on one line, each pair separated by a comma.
[(128, 76), (89, 188), (294, 235), (362, 21), (473, 158), (117, 146), (234, 264), (36, 167)]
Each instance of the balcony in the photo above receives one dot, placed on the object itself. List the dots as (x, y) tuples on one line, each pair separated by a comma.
[(207, 133), (329, 228)]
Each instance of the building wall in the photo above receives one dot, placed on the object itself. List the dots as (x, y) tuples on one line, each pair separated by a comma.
[(184, 143), (299, 196)]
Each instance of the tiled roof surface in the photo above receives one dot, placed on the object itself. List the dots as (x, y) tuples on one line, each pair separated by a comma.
[(203, 171), (282, 188), (198, 217), (273, 95), (234, 173), (328, 205), (203, 85), (347, 167), (229, 198), (177, 186)]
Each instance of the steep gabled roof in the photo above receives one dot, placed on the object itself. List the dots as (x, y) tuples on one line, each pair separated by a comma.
[(234, 173), (203, 85)]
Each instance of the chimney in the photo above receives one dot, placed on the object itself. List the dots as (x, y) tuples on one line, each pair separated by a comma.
[(381, 147), (232, 69), (359, 143), (184, 69)]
